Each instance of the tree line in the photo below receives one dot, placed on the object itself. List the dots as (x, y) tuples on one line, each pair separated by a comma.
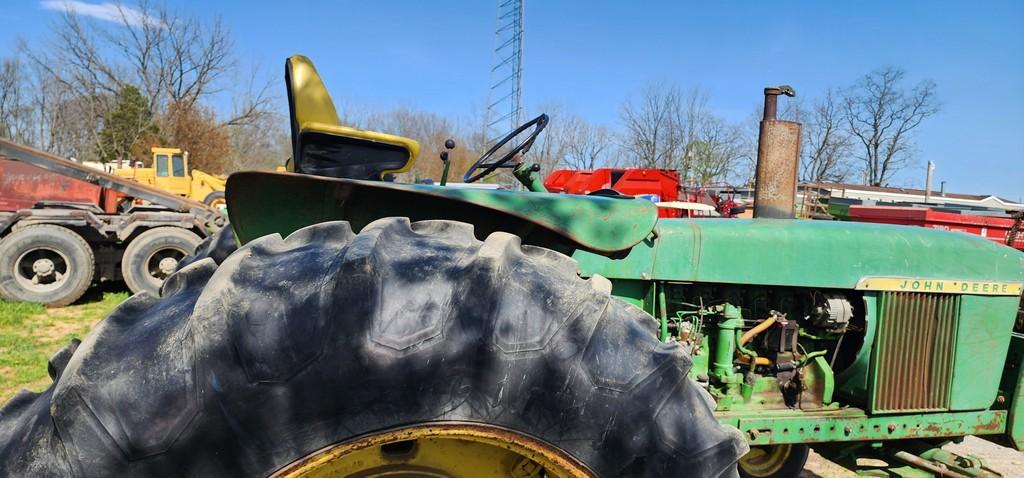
[(861, 133), (107, 91)]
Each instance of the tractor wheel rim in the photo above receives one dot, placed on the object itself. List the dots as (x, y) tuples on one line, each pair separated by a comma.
[(765, 461), (449, 450), (163, 262), (42, 269)]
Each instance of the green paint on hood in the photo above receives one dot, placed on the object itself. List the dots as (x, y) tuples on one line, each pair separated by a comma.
[(824, 254)]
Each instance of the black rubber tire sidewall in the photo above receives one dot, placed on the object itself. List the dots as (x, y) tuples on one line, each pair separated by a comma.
[(217, 246), (795, 463), (134, 261), (213, 196), (68, 242)]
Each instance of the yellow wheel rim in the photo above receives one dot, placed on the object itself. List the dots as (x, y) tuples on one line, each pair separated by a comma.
[(448, 450), (218, 203), (765, 461)]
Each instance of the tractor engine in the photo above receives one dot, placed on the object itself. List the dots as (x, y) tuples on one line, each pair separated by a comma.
[(769, 347)]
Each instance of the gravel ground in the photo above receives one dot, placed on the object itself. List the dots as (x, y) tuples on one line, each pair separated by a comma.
[(1006, 461)]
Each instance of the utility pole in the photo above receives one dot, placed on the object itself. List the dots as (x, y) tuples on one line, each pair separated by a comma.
[(505, 103), (928, 183)]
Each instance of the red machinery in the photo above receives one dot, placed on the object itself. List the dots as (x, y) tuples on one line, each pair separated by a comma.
[(655, 185), (23, 185), (993, 228)]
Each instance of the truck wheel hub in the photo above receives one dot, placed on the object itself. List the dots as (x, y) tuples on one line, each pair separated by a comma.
[(167, 266), (43, 267)]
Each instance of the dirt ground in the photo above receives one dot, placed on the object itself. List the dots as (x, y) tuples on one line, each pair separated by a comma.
[(1006, 461)]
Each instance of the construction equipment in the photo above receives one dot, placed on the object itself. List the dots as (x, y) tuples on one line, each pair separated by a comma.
[(64, 225), (170, 171), (367, 328)]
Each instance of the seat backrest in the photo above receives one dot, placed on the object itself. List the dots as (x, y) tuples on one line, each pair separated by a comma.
[(322, 146), (308, 99)]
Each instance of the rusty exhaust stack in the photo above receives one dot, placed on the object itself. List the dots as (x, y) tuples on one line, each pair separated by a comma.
[(778, 157)]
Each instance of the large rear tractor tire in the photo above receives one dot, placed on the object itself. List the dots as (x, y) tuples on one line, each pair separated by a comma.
[(217, 246), (46, 264), (154, 255), (405, 350)]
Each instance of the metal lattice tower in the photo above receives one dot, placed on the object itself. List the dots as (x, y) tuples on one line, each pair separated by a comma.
[(505, 108)]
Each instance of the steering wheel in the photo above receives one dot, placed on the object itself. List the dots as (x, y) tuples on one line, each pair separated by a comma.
[(506, 161)]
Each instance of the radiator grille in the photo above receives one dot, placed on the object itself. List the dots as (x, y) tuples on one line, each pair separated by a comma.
[(914, 359)]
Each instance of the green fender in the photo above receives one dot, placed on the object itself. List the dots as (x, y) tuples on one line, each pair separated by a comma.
[(261, 203)]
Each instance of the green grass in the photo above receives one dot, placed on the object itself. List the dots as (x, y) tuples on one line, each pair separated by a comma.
[(30, 334)]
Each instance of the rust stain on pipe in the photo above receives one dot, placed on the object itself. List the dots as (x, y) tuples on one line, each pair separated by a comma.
[(778, 158)]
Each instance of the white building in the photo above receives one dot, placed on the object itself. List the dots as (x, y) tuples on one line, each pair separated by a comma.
[(883, 194)]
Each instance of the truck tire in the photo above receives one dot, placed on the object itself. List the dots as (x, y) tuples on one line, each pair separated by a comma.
[(776, 461), (403, 350), (154, 255), (46, 264), (215, 199)]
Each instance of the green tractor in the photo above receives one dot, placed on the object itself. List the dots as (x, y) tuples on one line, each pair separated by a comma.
[(350, 326)]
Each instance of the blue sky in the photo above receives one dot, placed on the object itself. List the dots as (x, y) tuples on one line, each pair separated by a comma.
[(591, 55)]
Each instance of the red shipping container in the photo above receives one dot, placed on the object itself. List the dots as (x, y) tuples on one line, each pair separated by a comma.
[(990, 227)]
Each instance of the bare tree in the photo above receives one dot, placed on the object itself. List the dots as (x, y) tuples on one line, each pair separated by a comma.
[(714, 152), (881, 115), (176, 61), (195, 56), (587, 145), (700, 137), (431, 131), (549, 150), (261, 144), (827, 144), (77, 87), (670, 130), (171, 58), (253, 104), (38, 111), (650, 139), (15, 123)]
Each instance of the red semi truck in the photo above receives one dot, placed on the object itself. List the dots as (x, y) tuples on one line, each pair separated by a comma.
[(64, 226)]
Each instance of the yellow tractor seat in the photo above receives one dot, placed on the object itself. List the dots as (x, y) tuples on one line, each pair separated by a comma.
[(322, 146)]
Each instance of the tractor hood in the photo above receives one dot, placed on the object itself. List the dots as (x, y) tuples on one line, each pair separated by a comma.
[(821, 254), (262, 203)]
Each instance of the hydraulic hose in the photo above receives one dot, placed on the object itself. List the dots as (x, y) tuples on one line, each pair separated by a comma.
[(750, 334), (745, 352)]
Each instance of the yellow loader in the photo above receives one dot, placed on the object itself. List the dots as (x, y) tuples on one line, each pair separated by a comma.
[(170, 171)]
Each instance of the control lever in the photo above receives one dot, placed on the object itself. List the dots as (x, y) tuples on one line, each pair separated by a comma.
[(449, 145)]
